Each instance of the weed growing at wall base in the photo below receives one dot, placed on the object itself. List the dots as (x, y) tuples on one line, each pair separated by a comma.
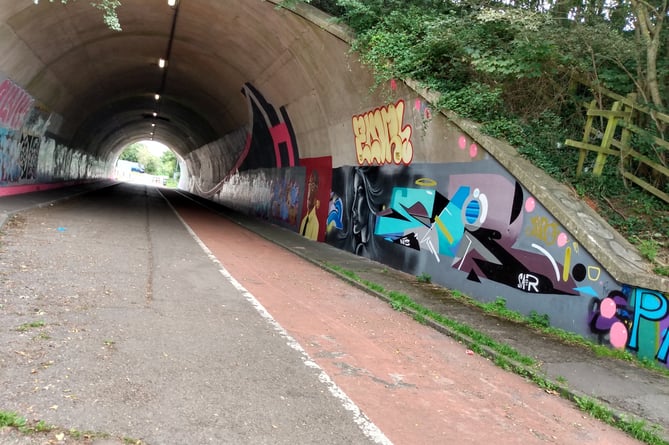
[(40, 429)]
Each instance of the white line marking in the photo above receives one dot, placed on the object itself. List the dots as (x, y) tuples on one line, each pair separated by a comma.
[(369, 429)]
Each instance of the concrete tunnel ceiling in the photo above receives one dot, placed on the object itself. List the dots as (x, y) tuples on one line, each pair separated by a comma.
[(101, 83)]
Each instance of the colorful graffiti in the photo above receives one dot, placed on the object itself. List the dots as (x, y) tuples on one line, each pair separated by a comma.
[(459, 227), (285, 200), (381, 136), (473, 226), (271, 141), (633, 318), (271, 194), (316, 192), (15, 104)]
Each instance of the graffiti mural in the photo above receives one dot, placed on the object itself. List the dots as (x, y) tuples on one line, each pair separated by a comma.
[(633, 318), (271, 141), (358, 194), (29, 153), (19, 143), (471, 223), (26, 155), (316, 195), (10, 167), (381, 136), (473, 227), (15, 104), (272, 194)]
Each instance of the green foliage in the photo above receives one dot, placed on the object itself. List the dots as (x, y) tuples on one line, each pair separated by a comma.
[(131, 153), (662, 270), (166, 165), (31, 325), (424, 278), (538, 320), (108, 9), (648, 248), (11, 419), (475, 101), (510, 68)]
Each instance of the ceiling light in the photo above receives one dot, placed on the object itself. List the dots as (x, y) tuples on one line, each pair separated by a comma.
[(153, 125), (157, 96), (162, 62), (171, 2), (155, 114)]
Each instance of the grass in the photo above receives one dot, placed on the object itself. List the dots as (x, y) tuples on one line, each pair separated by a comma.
[(25, 327), (424, 278), (638, 429), (507, 358), (42, 336), (10, 419)]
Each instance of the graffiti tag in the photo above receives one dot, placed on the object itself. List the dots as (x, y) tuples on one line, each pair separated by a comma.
[(380, 137), (15, 104), (544, 229)]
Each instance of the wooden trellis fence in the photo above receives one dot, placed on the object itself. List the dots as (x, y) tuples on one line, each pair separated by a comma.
[(651, 174)]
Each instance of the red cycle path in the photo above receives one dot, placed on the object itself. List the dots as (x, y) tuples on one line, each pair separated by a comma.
[(417, 385)]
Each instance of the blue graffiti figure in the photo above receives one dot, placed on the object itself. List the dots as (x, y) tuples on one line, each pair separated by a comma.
[(335, 213)]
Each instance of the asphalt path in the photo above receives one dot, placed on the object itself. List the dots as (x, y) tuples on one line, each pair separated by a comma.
[(136, 312)]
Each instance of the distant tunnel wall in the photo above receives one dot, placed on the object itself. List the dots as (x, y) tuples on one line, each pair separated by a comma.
[(29, 159), (425, 194)]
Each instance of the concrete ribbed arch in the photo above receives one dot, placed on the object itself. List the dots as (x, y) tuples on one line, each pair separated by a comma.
[(76, 67)]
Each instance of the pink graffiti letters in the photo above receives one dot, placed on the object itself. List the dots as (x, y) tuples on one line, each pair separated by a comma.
[(380, 137), (15, 104)]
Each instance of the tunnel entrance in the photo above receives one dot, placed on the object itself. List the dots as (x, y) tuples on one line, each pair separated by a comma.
[(148, 162)]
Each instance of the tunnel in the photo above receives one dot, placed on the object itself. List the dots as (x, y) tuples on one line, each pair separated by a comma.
[(271, 114)]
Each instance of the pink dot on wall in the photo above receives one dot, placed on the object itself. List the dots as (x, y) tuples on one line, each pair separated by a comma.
[(462, 142), (618, 335), (607, 307), (473, 150), (562, 239), (530, 205)]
